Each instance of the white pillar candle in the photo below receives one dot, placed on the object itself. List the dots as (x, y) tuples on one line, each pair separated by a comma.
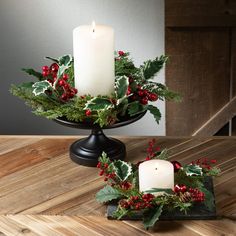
[(94, 67), (156, 174)]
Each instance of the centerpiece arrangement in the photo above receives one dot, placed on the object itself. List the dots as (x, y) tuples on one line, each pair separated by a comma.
[(96, 89), (156, 188)]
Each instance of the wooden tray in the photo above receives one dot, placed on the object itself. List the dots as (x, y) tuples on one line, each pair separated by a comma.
[(198, 212)]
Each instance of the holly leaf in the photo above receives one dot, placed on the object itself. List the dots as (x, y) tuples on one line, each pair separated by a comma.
[(155, 112), (36, 74), (61, 70), (191, 170), (65, 60), (152, 216), (157, 190), (121, 87), (209, 198), (135, 108), (98, 103), (122, 169), (151, 67), (52, 59), (27, 85), (40, 87), (108, 193)]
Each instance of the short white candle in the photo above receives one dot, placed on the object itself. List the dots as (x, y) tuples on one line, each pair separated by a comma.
[(156, 174), (94, 69)]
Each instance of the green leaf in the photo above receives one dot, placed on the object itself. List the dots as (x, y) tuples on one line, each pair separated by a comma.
[(163, 155), (122, 169), (52, 59), (27, 85), (121, 87), (209, 198), (33, 72), (155, 112), (157, 190), (98, 103), (61, 70), (65, 60), (41, 87), (108, 193), (193, 170), (152, 216), (135, 108), (151, 67)]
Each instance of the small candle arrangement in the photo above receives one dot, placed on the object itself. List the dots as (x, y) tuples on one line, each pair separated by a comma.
[(96, 85), (155, 185)]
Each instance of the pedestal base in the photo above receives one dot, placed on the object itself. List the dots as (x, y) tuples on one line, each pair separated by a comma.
[(87, 151)]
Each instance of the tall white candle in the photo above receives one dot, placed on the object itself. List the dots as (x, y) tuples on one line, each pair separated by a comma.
[(156, 174), (94, 68)]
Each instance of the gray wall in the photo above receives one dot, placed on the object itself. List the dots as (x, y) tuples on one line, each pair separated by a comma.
[(32, 29)]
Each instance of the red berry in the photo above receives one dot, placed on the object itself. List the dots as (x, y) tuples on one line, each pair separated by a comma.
[(101, 172), (213, 161), (61, 82), (64, 97), (145, 92), (140, 93), (177, 165), (106, 165), (152, 97), (99, 165), (131, 80), (121, 53), (88, 113), (128, 91), (54, 67), (45, 73), (66, 86), (144, 101), (65, 77), (183, 188), (105, 179), (75, 90), (45, 68)]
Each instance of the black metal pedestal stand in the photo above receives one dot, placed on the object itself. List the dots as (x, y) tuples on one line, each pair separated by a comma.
[(87, 151)]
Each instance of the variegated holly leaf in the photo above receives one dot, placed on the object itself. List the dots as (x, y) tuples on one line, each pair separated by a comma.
[(65, 60), (98, 103), (40, 87), (122, 169), (152, 216), (108, 193), (193, 170), (121, 87)]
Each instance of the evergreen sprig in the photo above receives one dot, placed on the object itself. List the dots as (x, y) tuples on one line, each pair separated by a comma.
[(134, 92)]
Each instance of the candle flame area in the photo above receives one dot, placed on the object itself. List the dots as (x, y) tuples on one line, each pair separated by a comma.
[(93, 26)]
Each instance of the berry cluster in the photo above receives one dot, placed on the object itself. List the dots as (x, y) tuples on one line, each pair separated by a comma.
[(141, 95), (152, 150), (138, 202), (191, 194), (105, 171), (63, 89), (204, 163)]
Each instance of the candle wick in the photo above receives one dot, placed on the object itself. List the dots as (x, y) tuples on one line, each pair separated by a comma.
[(93, 30)]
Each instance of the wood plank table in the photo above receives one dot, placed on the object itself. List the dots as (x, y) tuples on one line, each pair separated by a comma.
[(42, 192)]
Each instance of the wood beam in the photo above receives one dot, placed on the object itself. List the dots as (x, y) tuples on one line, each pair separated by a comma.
[(218, 120)]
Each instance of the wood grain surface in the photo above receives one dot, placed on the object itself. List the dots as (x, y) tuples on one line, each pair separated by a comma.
[(42, 192)]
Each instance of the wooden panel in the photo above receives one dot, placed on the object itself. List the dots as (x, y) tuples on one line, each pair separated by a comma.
[(54, 196), (198, 69), (201, 13)]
